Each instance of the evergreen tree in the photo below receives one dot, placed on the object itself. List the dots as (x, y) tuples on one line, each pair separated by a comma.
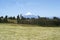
[(0, 20), (5, 19), (18, 19)]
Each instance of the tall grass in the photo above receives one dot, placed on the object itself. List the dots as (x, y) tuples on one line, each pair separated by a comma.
[(28, 32)]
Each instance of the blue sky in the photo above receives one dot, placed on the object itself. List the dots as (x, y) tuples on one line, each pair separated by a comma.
[(44, 8)]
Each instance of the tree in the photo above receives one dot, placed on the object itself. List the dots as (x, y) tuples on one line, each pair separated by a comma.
[(21, 17), (5, 19), (13, 17), (0, 20), (55, 18), (18, 19), (1, 17), (10, 17)]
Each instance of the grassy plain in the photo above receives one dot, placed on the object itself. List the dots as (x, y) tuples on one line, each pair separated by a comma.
[(28, 32)]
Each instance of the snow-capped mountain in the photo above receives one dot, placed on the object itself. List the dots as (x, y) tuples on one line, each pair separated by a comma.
[(30, 16)]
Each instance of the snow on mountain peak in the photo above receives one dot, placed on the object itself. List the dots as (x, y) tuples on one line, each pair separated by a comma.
[(28, 13)]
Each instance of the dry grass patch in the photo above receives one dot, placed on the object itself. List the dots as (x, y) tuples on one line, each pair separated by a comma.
[(25, 32)]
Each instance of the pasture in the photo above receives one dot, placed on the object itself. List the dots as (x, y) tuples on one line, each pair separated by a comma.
[(28, 32)]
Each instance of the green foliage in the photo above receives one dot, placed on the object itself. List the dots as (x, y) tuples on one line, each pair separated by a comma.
[(42, 21), (12, 18), (5, 20), (18, 19), (0, 20)]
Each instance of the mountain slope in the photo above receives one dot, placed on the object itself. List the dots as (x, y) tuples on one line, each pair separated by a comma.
[(30, 16)]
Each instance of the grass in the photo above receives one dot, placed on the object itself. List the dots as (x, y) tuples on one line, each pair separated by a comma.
[(28, 32)]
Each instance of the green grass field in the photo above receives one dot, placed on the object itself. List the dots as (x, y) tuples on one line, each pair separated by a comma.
[(28, 32)]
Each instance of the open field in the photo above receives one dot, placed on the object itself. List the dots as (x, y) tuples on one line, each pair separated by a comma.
[(28, 32)]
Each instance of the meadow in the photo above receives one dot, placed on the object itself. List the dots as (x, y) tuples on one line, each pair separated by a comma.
[(28, 32)]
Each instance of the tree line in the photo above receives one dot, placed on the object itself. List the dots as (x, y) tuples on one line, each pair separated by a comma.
[(42, 21)]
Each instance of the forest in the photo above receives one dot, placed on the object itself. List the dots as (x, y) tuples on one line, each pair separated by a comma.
[(41, 21)]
